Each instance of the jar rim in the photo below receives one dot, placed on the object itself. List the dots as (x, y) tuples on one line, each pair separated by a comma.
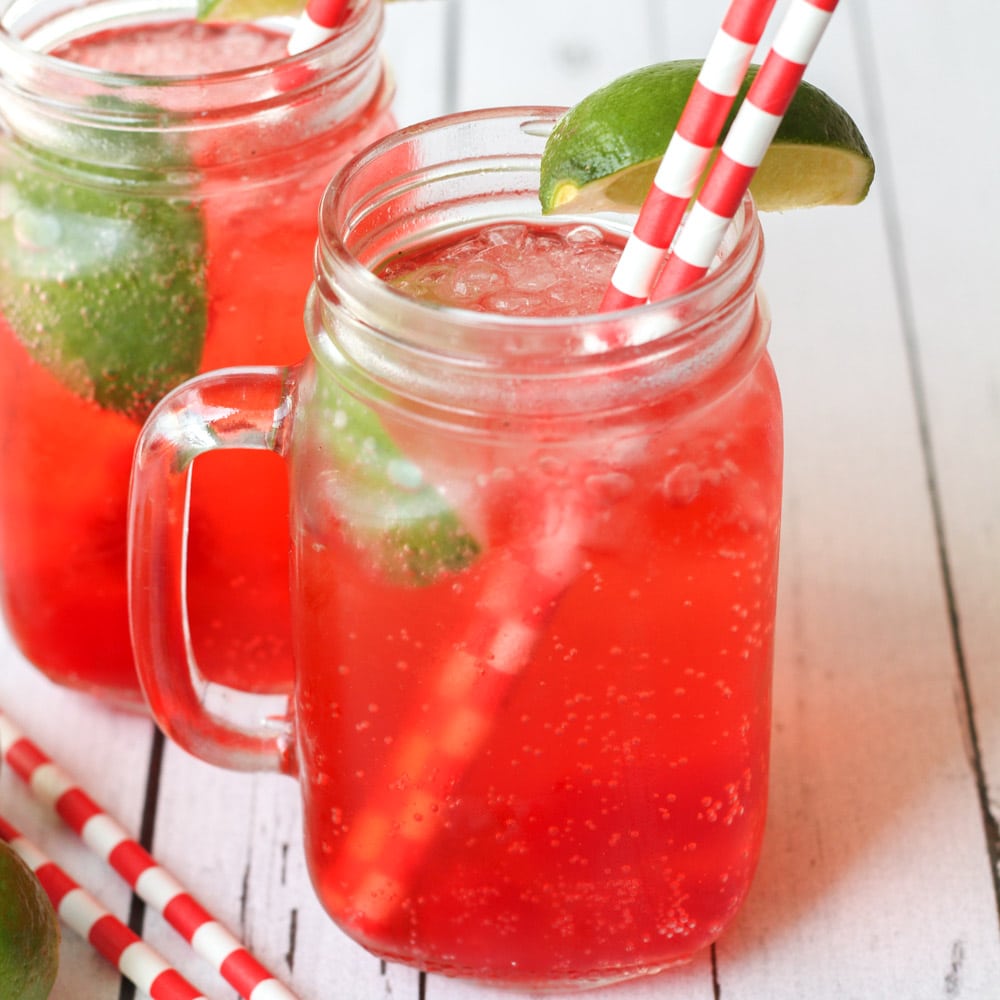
[(355, 282), (20, 60), (433, 177)]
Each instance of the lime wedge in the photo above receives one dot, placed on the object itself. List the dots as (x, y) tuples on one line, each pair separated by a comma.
[(29, 932), (603, 153), (104, 285), (247, 10), (384, 502)]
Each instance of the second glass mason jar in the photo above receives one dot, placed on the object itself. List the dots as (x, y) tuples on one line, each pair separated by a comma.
[(159, 185), (533, 582)]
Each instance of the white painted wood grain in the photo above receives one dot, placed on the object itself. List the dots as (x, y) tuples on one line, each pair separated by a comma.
[(548, 52), (942, 157), (415, 45)]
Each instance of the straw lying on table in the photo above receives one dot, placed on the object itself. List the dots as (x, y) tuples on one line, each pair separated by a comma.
[(112, 939), (155, 886), (386, 844), (688, 152)]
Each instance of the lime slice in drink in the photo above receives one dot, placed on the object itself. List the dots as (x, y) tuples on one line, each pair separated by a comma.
[(403, 523), (105, 286), (604, 152), (29, 932)]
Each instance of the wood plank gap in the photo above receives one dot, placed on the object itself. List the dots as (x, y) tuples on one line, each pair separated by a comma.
[(147, 826), (863, 36)]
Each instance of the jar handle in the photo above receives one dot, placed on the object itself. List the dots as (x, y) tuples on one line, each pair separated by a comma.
[(237, 408)]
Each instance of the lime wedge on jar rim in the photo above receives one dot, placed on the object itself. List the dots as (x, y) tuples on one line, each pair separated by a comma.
[(603, 153)]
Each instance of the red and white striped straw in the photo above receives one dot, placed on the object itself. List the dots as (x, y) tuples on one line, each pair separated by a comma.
[(151, 883), (111, 938), (746, 143), (390, 837), (318, 22), (688, 152)]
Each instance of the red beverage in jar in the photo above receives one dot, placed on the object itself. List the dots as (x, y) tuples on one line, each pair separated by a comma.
[(529, 768), (171, 221)]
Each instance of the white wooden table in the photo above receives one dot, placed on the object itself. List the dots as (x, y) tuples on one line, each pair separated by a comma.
[(879, 877)]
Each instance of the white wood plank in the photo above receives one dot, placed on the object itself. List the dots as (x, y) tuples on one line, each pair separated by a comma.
[(548, 52), (944, 147), (415, 47), (870, 779)]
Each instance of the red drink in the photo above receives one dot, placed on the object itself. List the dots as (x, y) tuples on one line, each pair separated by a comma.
[(589, 804), (237, 193)]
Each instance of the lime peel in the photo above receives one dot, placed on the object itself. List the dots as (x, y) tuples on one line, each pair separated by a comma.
[(604, 152), (29, 932)]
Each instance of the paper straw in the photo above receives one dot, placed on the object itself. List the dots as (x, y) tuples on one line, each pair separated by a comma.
[(318, 22), (111, 938), (745, 145), (50, 785), (688, 152), (389, 838)]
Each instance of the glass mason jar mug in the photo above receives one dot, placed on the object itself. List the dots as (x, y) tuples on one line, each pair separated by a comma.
[(136, 196), (533, 587)]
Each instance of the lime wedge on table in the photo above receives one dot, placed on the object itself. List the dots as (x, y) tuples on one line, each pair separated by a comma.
[(29, 932), (249, 10), (603, 153), (104, 285)]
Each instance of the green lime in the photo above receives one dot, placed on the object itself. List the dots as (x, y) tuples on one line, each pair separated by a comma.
[(386, 505), (29, 932), (247, 10), (603, 153), (104, 284)]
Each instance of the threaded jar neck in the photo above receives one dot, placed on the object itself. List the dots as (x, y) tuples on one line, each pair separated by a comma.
[(466, 170)]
